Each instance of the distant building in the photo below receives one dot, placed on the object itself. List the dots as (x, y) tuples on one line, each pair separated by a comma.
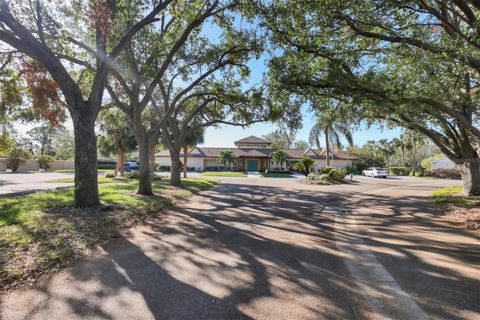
[(443, 163), (254, 154)]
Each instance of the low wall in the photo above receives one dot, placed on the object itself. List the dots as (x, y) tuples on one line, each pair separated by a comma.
[(61, 165), (3, 164), (28, 165)]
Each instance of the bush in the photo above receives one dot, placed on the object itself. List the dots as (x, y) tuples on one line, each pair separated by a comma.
[(305, 165), (43, 161), (337, 174), (212, 168), (110, 175), (447, 174), (326, 170), (333, 175), (164, 168), (132, 175), (16, 157), (352, 170), (399, 171), (106, 166)]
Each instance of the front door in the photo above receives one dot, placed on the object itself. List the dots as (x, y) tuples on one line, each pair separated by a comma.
[(252, 165)]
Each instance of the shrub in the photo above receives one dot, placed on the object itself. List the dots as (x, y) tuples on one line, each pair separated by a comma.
[(106, 166), (43, 161), (211, 168), (110, 175), (446, 174), (132, 175), (327, 169), (399, 171), (305, 165), (337, 174), (16, 157), (334, 175), (164, 168), (352, 170)]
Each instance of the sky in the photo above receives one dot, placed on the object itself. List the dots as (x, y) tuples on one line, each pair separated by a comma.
[(224, 136)]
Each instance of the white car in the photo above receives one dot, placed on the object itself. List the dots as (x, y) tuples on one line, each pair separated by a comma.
[(375, 172)]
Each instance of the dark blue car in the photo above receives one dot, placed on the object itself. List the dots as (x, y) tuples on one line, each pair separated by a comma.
[(128, 166)]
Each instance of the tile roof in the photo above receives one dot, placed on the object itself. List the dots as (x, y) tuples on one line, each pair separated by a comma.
[(294, 153), (253, 152), (336, 154), (252, 139)]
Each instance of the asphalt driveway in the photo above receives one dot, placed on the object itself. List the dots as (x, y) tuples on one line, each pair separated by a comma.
[(270, 248), (14, 183)]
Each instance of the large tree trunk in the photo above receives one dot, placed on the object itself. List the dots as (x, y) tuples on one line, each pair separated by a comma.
[(153, 144), (120, 161), (403, 157), (414, 157), (185, 159), (86, 173), (145, 176), (176, 169), (470, 170), (327, 149)]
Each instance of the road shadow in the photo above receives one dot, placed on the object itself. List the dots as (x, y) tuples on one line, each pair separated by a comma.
[(244, 251)]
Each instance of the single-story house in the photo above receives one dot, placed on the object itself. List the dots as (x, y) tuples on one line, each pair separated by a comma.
[(254, 154), (443, 163)]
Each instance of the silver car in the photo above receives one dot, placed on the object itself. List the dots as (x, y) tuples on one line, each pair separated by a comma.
[(375, 172)]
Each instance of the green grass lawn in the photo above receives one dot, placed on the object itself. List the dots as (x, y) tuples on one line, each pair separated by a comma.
[(223, 174), (101, 180), (275, 175), (72, 171), (41, 231), (453, 195)]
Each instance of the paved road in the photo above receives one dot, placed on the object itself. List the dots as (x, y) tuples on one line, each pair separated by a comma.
[(30, 182), (276, 249)]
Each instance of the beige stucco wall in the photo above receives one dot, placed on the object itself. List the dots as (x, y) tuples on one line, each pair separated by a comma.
[(195, 162), (192, 162), (320, 163), (3, 164), (28, 165), (61, 165)]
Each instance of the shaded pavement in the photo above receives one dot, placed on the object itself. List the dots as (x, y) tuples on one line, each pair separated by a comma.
[(266, 249)]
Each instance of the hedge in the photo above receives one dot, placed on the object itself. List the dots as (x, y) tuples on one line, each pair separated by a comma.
[(446, 174), (329, 174), (106, 166), (399, 171)]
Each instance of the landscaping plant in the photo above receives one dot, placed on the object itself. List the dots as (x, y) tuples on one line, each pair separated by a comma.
[(304, 165)]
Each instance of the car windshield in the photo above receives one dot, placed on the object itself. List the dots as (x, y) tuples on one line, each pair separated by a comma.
[(379, 169)]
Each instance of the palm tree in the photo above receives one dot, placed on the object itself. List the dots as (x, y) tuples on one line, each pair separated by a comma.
[(116, 136), (415, 139), (403, 143), (279, 157), (386, 149), (331, 128), (226, 157), (192, 139)]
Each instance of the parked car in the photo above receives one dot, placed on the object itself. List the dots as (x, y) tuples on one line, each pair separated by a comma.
[(128, 166), (375, 172)]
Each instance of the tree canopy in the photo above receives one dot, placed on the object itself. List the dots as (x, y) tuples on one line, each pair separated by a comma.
[(412, 64)]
